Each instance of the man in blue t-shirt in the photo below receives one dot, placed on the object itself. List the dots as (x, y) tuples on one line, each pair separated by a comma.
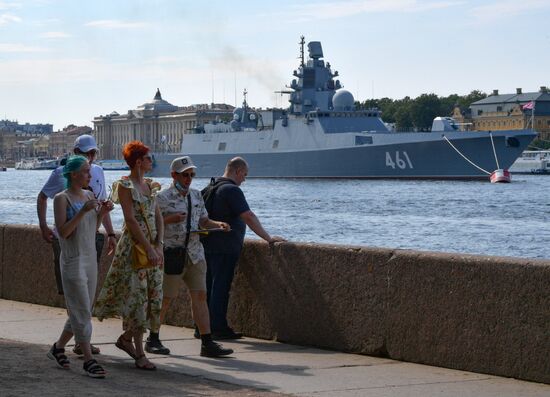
[(222, 250)]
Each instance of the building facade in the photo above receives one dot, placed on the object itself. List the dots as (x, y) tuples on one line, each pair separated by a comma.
[(18, 141), (510, 112), (62, 142), (27, 128), (158, 124)]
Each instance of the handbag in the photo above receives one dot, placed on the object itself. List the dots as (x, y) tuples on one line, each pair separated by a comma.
[(140, 260), (175, 257), (174, 260)]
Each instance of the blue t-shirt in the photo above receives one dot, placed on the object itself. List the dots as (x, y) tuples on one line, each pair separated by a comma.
[(229, 203)]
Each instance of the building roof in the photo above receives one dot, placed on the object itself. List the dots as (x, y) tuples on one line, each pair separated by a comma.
[(158, 105), (514, 98)]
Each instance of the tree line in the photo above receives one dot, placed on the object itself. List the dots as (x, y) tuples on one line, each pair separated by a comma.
[(418, 113)]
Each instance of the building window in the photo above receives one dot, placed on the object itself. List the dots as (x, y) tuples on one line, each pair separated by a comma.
[(275, 144), (479, 112), (499, 108), (221, 146)]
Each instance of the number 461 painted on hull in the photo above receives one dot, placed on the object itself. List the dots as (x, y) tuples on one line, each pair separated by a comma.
[(402, 160)]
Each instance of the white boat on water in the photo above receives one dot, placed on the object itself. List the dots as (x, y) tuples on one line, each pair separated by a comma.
[(113, 165), (38, 163), (532, 162)]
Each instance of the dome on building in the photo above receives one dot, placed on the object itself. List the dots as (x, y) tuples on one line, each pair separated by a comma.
[(158, 105), (343, 100)]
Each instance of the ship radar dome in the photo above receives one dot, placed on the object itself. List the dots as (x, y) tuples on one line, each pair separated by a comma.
[(237, 114), (343, 100)]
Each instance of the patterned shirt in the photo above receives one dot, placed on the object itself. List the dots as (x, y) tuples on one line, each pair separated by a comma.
[(170, 202)]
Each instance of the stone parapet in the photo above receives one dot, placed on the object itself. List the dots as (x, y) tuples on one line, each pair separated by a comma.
[(469, 312)]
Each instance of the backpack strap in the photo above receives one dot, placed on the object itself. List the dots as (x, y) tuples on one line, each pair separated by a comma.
[(209, 192)]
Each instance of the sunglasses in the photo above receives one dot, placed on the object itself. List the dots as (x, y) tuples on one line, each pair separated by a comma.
[(188, 174), (148, 157), (91, 153)]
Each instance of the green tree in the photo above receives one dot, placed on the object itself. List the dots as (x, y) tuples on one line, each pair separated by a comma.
[(424, 109), (465, 101), (419, 113), (403, 115)]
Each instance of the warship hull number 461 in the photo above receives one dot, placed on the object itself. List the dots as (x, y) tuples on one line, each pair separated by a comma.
[(322, 135)]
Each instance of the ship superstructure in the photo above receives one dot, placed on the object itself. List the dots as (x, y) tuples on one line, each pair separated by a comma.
[(322, 135)]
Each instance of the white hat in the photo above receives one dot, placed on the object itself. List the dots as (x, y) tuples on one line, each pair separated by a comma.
[(181, 164), (85, 143)]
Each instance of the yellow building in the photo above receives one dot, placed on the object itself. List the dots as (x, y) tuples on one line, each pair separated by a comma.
[(158, 124), (8, 141), (62, 142), (510, 112)]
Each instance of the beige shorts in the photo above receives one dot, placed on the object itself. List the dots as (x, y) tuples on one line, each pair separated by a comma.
[(194, 277)]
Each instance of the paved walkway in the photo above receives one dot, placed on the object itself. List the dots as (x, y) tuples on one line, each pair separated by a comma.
[(258, 367)]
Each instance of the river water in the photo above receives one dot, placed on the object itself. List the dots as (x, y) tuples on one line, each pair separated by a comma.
[(446, 216)]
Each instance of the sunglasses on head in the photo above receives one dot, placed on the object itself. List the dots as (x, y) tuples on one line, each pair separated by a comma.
[(188, 174)]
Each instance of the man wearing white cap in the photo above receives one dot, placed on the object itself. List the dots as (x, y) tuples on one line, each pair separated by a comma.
[(86, 146), (183, 211)]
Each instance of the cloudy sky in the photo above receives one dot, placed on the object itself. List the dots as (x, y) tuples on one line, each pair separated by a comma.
[(66, 61)]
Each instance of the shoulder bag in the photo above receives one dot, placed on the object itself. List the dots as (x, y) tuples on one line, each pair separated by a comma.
[(140, 260), (175, 257)]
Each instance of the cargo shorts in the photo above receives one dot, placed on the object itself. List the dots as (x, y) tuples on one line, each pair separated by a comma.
[(193, 275)]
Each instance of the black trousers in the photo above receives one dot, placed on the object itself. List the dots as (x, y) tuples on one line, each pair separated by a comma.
[(99, 241)]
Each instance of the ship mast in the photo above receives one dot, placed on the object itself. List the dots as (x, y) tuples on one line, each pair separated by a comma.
[(302, 42), (245, 104)]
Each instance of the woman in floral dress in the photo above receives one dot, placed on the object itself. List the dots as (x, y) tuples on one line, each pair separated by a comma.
[(135, 294)]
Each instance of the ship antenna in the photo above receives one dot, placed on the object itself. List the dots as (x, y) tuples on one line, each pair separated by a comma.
[(302, 42), (244, 98)]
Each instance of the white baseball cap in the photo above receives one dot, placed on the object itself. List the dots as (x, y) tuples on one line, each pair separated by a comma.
[(85, 143), (181, 164)]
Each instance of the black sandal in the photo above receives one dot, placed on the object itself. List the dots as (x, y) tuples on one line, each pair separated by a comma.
[(122, 344), (93, 369), (58, 355)]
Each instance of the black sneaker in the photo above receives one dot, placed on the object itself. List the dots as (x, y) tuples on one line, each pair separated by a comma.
[(213, 349), (155, 346), (226, 334)]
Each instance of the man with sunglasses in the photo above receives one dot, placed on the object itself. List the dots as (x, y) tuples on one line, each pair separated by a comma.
[(174, 203), (84, 145)]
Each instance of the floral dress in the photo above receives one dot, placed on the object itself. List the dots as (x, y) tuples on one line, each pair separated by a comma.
[(134, 295)]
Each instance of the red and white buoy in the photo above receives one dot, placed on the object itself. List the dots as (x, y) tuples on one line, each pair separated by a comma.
[(500, 176)]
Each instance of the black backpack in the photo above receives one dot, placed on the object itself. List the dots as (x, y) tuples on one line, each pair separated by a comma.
[(209, 192)]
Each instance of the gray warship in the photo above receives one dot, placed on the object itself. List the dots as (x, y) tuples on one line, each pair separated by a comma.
[(322, 135)]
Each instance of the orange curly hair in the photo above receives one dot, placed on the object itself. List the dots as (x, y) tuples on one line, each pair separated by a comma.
[(133, 151)]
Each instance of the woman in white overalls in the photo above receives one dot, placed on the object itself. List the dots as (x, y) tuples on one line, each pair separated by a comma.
[(78, 215)]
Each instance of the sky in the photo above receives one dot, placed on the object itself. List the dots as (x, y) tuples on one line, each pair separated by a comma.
[(66, 62)]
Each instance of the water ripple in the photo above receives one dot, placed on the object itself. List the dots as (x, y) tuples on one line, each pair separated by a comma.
[(468, 217)]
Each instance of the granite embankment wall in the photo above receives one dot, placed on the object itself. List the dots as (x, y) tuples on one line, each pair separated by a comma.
[(475, 313)]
